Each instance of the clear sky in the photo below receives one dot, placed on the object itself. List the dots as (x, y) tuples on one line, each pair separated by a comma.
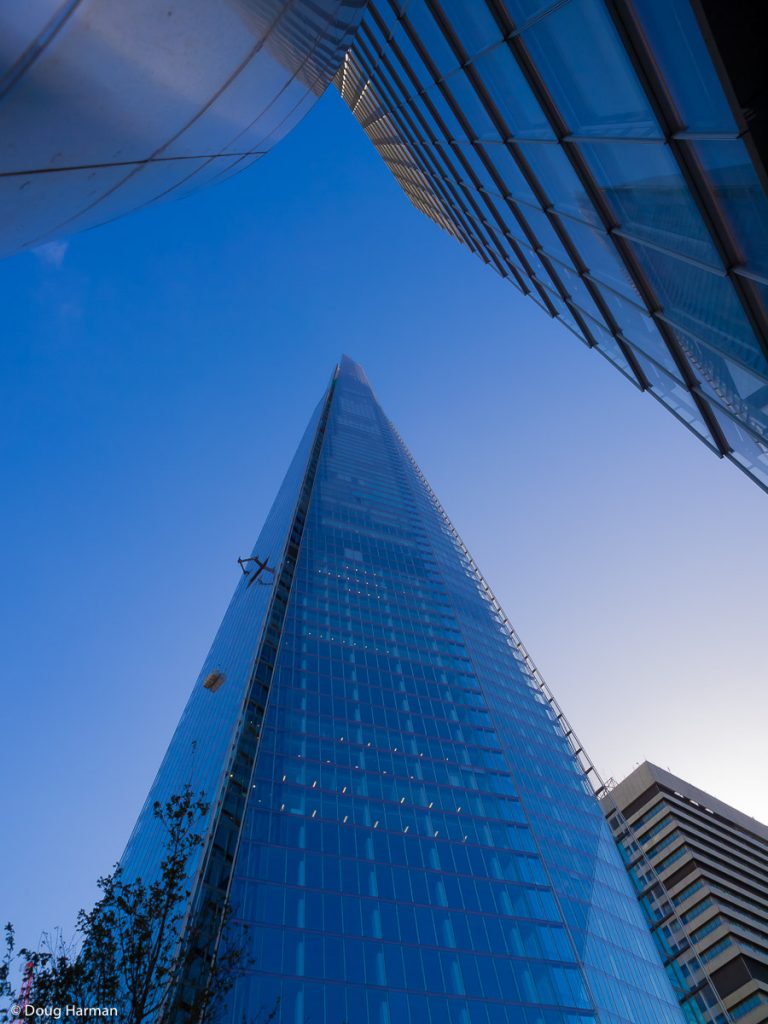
[(156, 376)]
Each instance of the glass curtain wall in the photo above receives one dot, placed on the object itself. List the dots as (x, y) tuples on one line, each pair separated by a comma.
[(418, 842), (593, 154)]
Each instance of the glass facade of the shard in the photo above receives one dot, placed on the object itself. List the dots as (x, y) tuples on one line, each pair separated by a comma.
[(605, 157), (410, 837)]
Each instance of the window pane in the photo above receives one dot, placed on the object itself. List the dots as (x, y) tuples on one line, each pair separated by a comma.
[(546, 236), (565, 314), (703, 304), (453, 128), (473, 23), (649, 197), (678, 47), (640, 331), (599, 253), (432, 38), (578, 52), (747, 451), (511, 174), (610, 348), (509, 90), (411, 60), (473, 158), (738, 189), (676, 398), (559, 180), (577, 290), (472, 107), (740, 391)]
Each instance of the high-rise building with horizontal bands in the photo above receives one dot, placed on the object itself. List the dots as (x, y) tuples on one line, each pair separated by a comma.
[(700, 869), (607, 157), (397, 814)]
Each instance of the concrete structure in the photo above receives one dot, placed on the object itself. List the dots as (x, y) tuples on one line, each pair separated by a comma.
[(701, 871)]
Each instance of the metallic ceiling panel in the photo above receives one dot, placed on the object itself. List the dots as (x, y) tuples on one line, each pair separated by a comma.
[(107, 106)]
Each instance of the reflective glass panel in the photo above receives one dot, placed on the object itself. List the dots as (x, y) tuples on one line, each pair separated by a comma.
[(703, 304), (645, 241), (559, 180), (649, 197), (473, 23), (676, 398), (677, 45), (749, 452), (510, 172), (431, 37), (412, 61), (728, 383), (508, 89), (640, 330), (609, 347), (598, 252), (586, 69), (472, 107), (742, 197)]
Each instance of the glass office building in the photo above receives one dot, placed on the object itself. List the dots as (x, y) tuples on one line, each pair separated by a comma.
[(106, 106), (608, 158), (397, 815)]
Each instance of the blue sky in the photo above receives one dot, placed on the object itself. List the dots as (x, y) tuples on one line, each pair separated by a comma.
[(157, 374)]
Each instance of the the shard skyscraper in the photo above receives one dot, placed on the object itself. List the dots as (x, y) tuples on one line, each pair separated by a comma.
[(396, 812)]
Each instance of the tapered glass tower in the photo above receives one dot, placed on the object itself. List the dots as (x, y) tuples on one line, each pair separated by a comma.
[(397, 815)]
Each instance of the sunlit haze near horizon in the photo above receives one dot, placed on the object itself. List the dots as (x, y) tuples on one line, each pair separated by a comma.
[(158, 373)]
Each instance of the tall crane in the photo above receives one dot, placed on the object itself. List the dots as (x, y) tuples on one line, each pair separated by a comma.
[(25, 991)]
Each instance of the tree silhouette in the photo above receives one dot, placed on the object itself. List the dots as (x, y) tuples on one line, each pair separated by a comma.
[(132, 948)]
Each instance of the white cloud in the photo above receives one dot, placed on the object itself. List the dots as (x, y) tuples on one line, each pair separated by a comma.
[(52, 253)]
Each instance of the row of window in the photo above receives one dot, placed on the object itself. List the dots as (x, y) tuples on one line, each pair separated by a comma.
[(399, 763), (419, 969), (347, 914), (397, 694), (456, 751), (376, 866), (401, 819), (745, 1006), (332, 1002), (387, 789)]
